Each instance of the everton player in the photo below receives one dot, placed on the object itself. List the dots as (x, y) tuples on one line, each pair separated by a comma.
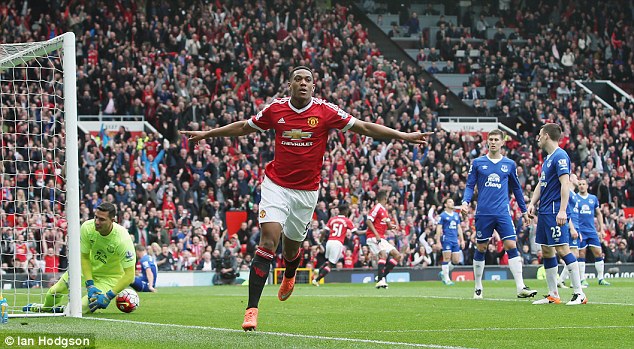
[(493, 174), (147, 280), (553, 193), (449, 236), (338, 226), (290, 187), (588, 205)]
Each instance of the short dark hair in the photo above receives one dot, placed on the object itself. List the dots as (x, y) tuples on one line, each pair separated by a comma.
[(301, 67), (553, 131), (108, 207), (344, 209), (498, 132), (140, 248), (381, 195)]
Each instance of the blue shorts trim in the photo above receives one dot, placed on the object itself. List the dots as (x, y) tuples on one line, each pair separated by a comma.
[(549, 233), (502, 224), (450, 245)]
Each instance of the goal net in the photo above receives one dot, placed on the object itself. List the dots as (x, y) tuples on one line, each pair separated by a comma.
[(39, 185)]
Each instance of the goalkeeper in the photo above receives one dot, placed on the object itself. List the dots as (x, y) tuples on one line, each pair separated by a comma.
[(107, 264)]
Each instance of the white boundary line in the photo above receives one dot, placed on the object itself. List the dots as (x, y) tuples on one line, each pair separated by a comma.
[(519, 300), (280, 334), (482, 329)]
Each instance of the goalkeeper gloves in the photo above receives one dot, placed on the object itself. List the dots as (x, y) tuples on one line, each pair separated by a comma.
[(101, 301), (93, 291)]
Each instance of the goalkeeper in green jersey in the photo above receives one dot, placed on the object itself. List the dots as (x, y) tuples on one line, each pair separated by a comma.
[(108, 261)]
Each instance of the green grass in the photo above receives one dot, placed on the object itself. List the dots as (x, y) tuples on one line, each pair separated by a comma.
[(425, 314)]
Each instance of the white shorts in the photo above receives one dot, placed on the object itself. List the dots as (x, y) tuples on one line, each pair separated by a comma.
[(375, 247), (292, 208), (333, 251)]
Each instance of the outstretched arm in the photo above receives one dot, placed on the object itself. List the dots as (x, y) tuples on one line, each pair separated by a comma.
[(381, 132), (238, 128)]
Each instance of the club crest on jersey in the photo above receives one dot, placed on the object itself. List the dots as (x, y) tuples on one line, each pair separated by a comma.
[(549, 163), (485, 167), (110, 248), (313, 121), (262, 214), (504, 168)]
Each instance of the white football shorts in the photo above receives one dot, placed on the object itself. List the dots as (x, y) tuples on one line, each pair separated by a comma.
[(292, 208), (333, 251), (384, 245)]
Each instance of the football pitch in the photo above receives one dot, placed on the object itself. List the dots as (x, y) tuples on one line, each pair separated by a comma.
[(415, 314)]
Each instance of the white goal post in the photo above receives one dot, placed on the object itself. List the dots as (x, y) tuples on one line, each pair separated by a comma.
[(38, 96)]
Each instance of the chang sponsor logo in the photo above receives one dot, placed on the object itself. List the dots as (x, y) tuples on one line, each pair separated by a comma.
[(585, 209), (493, 181)]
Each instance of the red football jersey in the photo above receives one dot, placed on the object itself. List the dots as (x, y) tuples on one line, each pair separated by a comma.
[(300, 139), (339, 227), (380, 219)]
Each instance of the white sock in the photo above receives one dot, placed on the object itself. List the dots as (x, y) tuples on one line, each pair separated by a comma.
[(515, 264), (600, 269), (478, 270), (575, 280), (451, 266), (551, 281), (582, 270), (445, 272), (564, 274)]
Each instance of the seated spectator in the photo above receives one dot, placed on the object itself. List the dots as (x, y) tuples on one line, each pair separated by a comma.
[(227, 272), (165, 260), (413, 24), (449, 68), (205, 264), (395, 31), (430, 11), (433, 56)]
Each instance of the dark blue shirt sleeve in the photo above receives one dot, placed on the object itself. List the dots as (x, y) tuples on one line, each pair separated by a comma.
[(471, 182)]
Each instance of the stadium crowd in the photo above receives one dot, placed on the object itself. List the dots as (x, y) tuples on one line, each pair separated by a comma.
[(184, 71)]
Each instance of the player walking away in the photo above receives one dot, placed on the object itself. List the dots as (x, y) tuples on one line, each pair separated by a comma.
[(589, 206), (290, 188), (339, 226), (573, 226), (493, 174), (147, 280), (378, 223), (552, 233), (449, 234), (107, 263)]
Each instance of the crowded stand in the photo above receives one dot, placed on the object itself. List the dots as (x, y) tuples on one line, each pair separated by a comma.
[(179, 71)]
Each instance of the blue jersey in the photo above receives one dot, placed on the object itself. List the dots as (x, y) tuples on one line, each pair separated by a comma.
[(574, 209), (493, 180), (587, 208), (556, 164), (450, 223), (147, 262)]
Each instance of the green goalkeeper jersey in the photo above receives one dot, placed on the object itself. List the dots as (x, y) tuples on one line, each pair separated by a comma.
[(110, 254)]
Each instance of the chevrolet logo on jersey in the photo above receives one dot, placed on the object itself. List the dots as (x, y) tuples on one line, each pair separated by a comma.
[(296, 134)]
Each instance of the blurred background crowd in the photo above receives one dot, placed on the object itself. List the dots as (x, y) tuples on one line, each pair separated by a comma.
[(185, 65)]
